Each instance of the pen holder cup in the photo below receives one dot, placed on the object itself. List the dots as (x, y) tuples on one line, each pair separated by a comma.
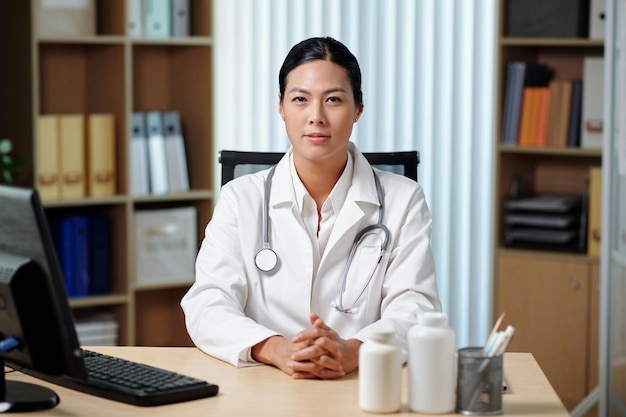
[(479, 383)]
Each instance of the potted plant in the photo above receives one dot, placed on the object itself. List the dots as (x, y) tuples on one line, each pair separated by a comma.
[(9, 164)]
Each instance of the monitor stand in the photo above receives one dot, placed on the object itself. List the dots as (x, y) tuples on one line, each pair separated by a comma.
[(16, 396)]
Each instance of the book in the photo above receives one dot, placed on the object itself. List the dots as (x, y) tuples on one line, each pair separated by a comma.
[(134, 18), (99, 247), (159, 182), (562, 121), (180, 18), (47, 163), (573, 130), (527, 116), (595, 212), (592, 105), (554, 109), (522, 74), (176, 158), (72, 151), (157, 18), (543, 107), (139, 165), (101, 176)]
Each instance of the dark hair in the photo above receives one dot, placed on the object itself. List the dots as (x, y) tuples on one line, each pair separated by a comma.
[(327, 49)]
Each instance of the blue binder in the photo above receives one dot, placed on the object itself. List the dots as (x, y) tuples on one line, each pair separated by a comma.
[(99, 255), (70, 235)]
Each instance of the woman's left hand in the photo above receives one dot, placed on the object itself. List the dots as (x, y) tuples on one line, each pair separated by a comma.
[(326, 355)]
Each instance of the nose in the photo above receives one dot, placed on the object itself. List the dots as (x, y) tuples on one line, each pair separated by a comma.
[(317, 115)]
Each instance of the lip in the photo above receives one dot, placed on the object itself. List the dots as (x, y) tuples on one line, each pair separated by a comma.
[(316, 138)]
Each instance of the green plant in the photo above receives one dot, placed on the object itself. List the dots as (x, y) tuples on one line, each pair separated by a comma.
[(9, 164)]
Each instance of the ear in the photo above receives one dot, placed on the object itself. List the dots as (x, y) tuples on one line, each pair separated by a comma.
[(280, 107), (359, 112)]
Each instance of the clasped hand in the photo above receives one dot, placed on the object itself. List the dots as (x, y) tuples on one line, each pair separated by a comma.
[(315, 352)]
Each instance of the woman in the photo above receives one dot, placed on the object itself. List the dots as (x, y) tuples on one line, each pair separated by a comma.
[(308, 311)]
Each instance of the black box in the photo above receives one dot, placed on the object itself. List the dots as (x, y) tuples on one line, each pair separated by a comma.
[(547, 18)]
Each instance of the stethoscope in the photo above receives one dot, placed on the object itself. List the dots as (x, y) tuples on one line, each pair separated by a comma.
[(266, 258)]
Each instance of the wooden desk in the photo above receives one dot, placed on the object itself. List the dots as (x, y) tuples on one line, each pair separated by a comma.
[(265, 391)]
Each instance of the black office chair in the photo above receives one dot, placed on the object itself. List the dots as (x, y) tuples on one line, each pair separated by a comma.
[(237, 163)]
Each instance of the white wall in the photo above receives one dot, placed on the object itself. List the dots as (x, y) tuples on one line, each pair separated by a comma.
[(428, 84)]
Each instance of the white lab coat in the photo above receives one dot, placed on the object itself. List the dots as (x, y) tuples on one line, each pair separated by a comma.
[(232, 305)]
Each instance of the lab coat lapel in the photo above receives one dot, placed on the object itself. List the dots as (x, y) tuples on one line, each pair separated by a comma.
[(360, 201)]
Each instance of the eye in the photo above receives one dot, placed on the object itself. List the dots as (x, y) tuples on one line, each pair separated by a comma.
[(299, 99), (334, 99)]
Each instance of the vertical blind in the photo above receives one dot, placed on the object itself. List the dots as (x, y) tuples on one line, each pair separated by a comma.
[(428, 84)]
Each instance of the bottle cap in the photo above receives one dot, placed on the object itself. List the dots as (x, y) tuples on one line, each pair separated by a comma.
[(382, 335), (432, 318)]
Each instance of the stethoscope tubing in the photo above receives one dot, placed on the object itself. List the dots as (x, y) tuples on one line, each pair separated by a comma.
[(266, 258)]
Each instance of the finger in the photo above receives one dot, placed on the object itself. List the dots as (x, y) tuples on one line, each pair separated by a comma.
[(329, 345), (308, 353), (328, 362), (301, 370), (316, 321)]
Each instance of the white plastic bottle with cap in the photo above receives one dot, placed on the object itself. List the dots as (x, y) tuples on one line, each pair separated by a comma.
[(380, 373), (431, 363)]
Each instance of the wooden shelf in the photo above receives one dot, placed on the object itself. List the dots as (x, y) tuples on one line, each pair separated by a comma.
[(110, 72), (548, 295)]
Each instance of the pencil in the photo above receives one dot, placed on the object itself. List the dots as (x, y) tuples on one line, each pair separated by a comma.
[(496, 326)]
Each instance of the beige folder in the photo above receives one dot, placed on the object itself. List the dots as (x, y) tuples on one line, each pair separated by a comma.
[(101, 155), (47, 159), (72, 140), (595, 212)]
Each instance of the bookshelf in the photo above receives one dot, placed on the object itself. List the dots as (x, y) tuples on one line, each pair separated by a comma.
[(111, 72), (549, 295)]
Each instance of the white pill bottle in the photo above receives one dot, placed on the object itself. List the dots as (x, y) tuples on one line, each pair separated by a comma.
[(380, 373), (432, 364)]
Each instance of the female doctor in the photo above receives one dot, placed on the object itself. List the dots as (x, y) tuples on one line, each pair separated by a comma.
[(279, 277)]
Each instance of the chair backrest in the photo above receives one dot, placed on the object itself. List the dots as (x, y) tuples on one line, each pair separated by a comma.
[(237, 163)]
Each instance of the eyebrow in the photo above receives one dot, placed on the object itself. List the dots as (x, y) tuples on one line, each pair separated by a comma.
[(304, 90)]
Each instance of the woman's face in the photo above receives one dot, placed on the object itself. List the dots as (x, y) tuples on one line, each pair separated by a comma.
[(319, 111)]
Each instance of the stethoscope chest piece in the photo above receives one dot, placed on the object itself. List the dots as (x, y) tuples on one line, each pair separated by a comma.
[(266, 259)]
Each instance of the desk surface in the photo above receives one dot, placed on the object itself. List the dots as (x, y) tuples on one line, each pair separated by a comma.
[(265, 391)]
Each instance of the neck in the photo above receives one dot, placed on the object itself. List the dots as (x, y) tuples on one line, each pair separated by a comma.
[(320, 178)]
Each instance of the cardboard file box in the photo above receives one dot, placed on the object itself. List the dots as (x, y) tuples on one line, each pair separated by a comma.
[(66, 18), (165, 245)]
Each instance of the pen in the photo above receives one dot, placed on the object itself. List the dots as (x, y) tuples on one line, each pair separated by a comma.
[(502, 341)]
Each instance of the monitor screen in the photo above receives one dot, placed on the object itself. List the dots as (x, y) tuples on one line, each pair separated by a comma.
[(34, 309)]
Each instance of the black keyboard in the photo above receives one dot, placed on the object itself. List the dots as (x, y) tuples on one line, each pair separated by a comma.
[(135, 383)]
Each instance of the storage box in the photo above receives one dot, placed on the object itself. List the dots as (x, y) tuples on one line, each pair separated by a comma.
[(166, 245), (547, 18), (66, 18)]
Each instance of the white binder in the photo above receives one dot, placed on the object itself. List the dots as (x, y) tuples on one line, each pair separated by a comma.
[(158, 18), (596, 19), (134, 18), (592, 116), (180, 18), (139, 166), (175, 152), (159, 183)]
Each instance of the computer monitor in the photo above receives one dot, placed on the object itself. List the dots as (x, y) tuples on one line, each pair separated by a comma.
[(34, 311)]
